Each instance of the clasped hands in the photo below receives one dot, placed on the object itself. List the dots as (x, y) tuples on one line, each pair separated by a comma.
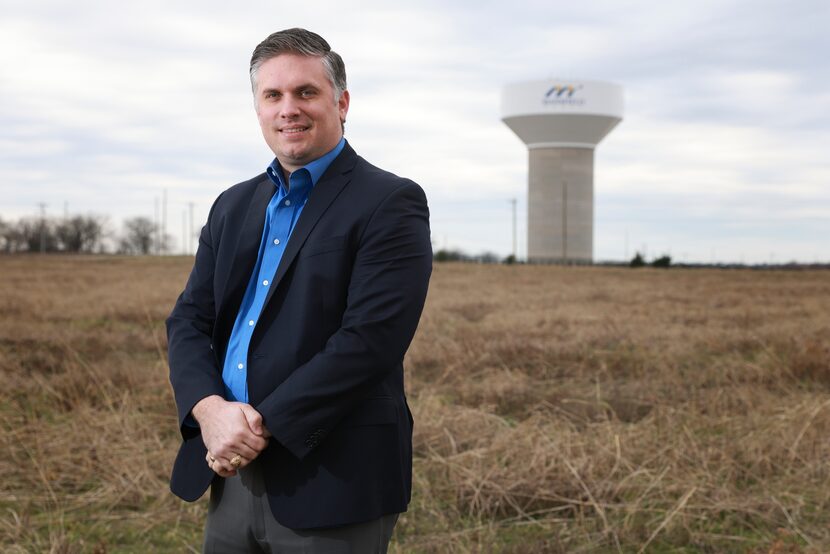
[(232, 432)]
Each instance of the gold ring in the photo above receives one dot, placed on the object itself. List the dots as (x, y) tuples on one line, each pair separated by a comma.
[(236, 461)]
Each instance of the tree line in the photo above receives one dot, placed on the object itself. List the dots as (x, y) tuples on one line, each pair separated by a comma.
[(82, 234)]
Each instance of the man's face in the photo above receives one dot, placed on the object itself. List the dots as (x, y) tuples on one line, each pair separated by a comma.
[(295, 105)]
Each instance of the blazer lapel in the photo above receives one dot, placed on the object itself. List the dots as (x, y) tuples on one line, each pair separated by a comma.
[(245, 255), (322, 195)]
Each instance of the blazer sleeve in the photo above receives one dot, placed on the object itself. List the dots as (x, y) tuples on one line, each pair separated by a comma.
[(194, 369), (386, 295)]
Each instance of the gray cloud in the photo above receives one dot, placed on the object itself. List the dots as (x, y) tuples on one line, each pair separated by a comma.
[(727, 111)]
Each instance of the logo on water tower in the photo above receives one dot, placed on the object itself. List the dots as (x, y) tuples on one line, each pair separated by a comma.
[(563, 95)]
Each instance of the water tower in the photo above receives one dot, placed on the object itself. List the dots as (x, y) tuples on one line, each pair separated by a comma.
[(561, 122)]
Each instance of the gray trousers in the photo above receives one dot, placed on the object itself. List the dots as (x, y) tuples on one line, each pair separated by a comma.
[(240, 520)]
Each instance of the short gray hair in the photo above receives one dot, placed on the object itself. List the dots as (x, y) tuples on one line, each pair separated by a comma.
[(305, 43)]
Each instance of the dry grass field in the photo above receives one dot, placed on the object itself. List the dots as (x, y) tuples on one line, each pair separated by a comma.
[(557, 409)]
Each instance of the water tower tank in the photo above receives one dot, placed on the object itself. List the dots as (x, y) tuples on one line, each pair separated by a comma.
[(561, 122)]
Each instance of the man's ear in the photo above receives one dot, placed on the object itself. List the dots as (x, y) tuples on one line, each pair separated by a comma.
[(343, 105)]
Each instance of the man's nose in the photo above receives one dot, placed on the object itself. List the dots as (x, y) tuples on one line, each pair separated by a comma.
[(289, 106)]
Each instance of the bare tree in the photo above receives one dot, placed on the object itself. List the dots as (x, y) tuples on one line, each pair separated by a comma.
[(80, 233), (4, 229), (139, 235), (35, 234), (12, 238)]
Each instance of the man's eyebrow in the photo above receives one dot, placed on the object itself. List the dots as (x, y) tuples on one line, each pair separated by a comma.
[(304, 86)]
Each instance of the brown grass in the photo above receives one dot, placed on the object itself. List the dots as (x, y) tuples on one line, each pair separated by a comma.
[(558, 409)]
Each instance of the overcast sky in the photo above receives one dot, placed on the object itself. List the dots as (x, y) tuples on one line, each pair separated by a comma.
[(722, 154)]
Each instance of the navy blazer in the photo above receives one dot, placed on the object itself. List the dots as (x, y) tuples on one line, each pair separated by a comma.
[(325, 361)]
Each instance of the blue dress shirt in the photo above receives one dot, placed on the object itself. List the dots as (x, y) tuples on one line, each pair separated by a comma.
[(283, 211)]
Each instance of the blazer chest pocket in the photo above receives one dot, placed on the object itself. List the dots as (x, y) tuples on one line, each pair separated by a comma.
[(317, 247)]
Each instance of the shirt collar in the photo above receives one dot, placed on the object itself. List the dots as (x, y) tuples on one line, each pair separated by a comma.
[(315, 168)]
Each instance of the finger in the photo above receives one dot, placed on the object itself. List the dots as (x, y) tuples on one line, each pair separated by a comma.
[(245, 443), (233, 461), (238, 461), (242, 442), (252, 446), (222, 471), (245, 450), (254, 418)]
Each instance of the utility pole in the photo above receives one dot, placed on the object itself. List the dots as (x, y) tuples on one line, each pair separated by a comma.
[(190, 233), (564, 221), (163, 239), (185, 245), (515, 254), (42, 227), (156, 224)]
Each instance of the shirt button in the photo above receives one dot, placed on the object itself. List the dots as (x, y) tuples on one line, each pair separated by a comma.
[(265, 282), (251, 323), (239, 366), (288, 202), (276, 241)]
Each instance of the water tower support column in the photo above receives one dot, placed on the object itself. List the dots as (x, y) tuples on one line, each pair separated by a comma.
[(560, 206)]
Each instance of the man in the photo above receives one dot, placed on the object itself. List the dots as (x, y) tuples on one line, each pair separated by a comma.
[(286, 345)]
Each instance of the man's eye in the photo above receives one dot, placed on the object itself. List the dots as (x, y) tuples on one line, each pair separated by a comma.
[(307, 93)]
